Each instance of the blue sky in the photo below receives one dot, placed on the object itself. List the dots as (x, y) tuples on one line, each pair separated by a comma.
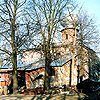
[(92, 7)]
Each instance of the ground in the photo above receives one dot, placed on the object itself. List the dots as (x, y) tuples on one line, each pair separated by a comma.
[(59, 96), (80, 96)]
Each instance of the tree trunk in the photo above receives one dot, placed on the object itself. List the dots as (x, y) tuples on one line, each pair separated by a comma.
[(47, 67), (73, 56), (72, 68), (14, 54), (47, 76), (15, 74), (70, 76)]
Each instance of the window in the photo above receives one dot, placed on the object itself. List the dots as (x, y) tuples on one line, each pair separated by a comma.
[(66, 36)]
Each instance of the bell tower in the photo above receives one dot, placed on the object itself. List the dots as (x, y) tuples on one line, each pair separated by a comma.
[(68, 34)]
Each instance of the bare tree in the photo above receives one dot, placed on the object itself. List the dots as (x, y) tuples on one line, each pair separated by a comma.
[(82, 41), (14, 34), (47, 16), (87, 39)]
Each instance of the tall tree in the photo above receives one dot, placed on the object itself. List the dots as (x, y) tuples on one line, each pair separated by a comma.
[(83, 40), (47, 15), (14, 34), (87, 38)]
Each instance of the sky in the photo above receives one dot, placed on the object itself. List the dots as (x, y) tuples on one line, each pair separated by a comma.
[(92, 7)]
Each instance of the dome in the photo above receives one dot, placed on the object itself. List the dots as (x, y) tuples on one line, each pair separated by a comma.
[(69, 20)]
